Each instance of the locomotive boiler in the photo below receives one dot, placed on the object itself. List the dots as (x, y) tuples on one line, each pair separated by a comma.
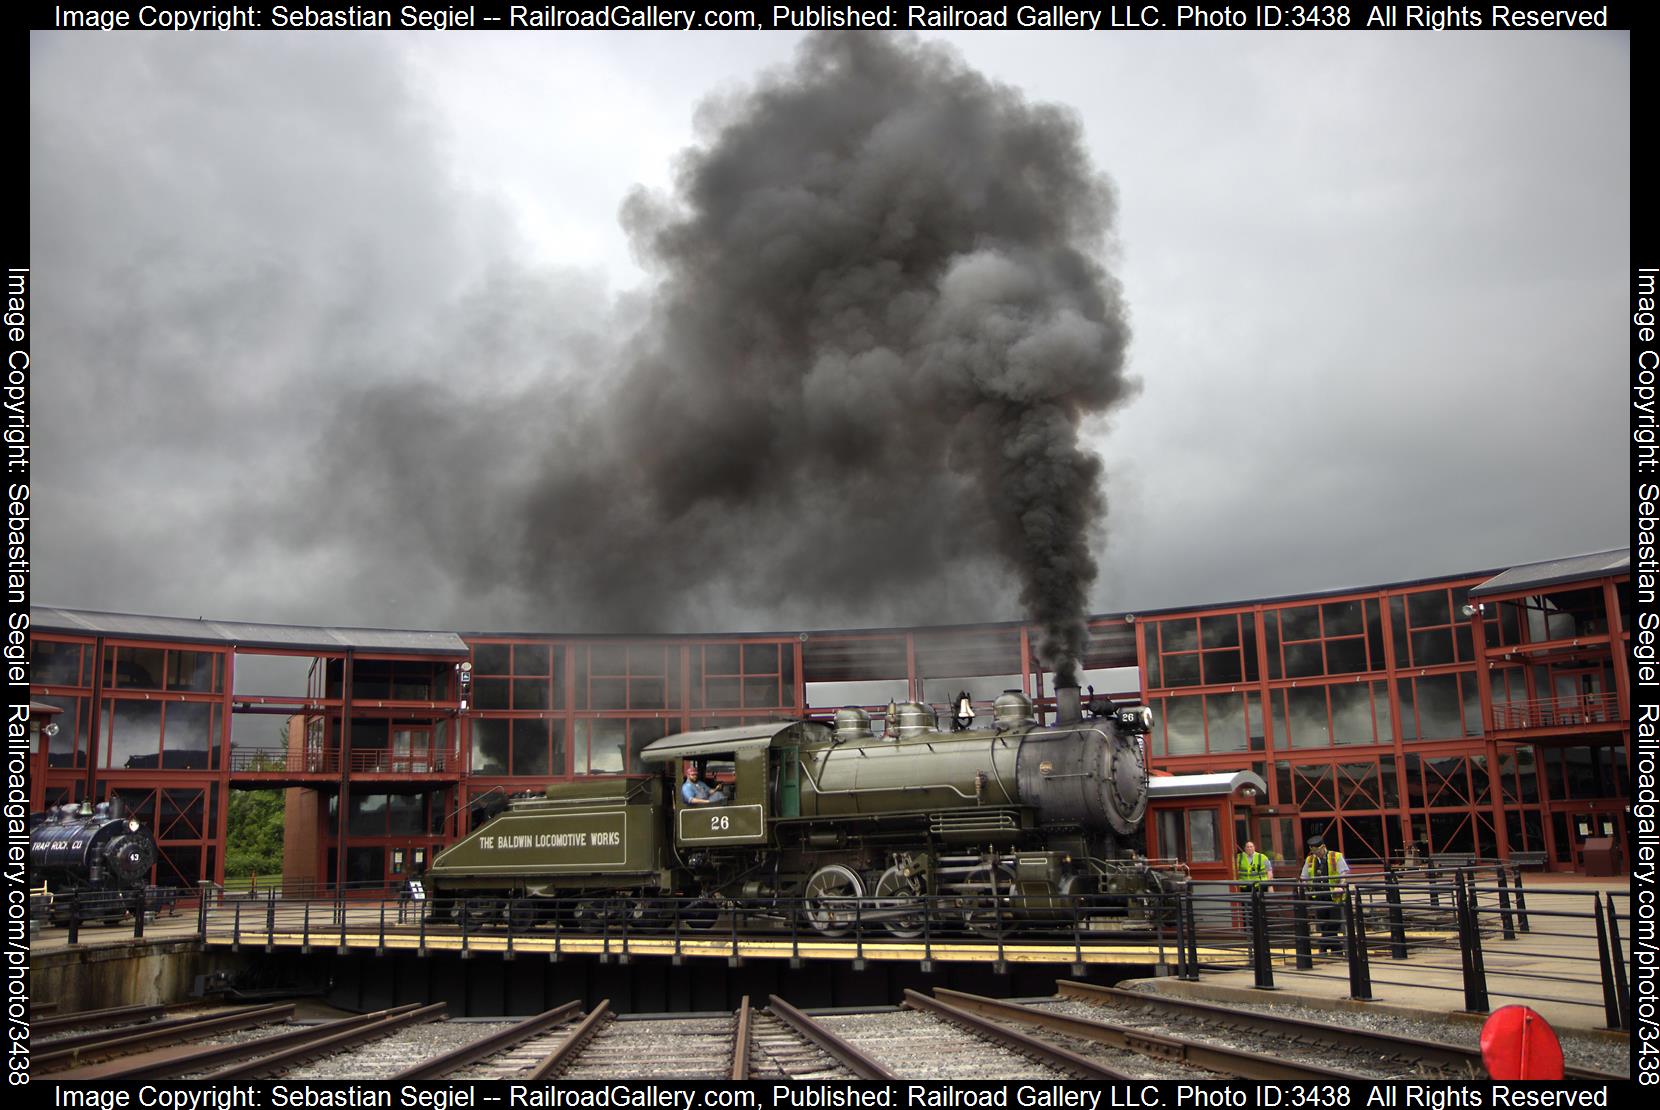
[(993, 826), (82, 850)]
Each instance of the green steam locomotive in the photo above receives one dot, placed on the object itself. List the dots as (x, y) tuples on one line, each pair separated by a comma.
[(985, 828)]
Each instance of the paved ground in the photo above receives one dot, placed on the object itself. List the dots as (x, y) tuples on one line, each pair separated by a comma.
[(1553, 967)]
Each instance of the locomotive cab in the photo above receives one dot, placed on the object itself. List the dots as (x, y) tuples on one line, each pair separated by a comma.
[(764, 784)]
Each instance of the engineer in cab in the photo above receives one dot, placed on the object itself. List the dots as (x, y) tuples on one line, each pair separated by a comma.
[(694, 792)]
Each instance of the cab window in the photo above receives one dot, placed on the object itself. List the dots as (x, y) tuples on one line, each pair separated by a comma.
[(717, 774)]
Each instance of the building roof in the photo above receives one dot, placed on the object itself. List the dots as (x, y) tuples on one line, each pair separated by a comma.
[(1203, 786), (296, 637), (1556, 572)]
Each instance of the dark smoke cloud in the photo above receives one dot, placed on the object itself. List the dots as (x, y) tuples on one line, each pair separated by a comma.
[(878, 320), (851, 394)]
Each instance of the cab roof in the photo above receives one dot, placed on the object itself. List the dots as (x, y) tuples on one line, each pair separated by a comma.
[(712, 741)]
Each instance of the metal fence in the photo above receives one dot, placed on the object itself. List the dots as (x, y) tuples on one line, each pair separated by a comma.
[(1372, 930), (1398, 922)]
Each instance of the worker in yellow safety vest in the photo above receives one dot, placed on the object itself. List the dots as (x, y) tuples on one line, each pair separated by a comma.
[(1251, 867), (1324, 870)]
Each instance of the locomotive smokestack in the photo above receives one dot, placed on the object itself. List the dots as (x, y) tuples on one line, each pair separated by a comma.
[(1066, 702)]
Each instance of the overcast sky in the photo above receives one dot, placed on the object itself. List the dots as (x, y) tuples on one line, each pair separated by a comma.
[(311, 309)]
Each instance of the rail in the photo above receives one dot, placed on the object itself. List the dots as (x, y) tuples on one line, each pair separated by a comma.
[(1068, 929), (1421, 920), (1383, 930), (1587, 709), (284, 761)]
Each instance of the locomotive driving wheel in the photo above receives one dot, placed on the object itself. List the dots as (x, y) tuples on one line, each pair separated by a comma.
[(896, 884), (987, 908), (831, 897)]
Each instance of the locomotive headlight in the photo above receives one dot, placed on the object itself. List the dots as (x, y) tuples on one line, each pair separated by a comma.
[(132, 824)]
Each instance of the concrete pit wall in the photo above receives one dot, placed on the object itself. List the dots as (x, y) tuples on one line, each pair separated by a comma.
[(130, 973)]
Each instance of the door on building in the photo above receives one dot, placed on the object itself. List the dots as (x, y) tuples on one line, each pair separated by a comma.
[(412, 750), (1193, 835)]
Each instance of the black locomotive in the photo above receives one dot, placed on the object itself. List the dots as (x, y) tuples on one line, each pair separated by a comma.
[(96, 854)]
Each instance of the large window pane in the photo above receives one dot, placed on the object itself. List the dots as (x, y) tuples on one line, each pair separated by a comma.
[(1345, 656), (134, 735), (760, 693), (1440, 711), (137, 668), (720, 659), (1341, 618), (1172, 835), (760, 658), (530, 747), (491, 658), (1222, 667), (1184, 726), (404, 812), (1304, 661), (365, 865), (1181, 670), (1432, 648), (1472, 705), (721, 693), (1409, 714), (1300, 623), (1351, 711), (530, 693), (490, 693), (642, 732), (1225, 715), (192, 670), (56, 664), (1309, 727), (189, 735), (531, 659), (1219, 632), (646, 693), (1203, 841), (601, 746), (608, 693), (367, 815), (1428, 608), (490, 745), (1178, 635)]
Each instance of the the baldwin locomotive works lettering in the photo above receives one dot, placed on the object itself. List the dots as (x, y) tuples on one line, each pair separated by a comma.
[(551, 840)]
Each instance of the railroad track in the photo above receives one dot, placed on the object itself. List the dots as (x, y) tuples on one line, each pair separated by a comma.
[(1289, 1042), (786, 1043), (682, 1048), (521, 1051), (1130, 1049), (914, 1043), (78, 1051)]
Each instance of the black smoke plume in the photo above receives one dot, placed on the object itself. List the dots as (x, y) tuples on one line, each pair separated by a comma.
[(852, 394)]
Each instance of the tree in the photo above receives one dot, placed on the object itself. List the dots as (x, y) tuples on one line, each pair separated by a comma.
[(253, 833)]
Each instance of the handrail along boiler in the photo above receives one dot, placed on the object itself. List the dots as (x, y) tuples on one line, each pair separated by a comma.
[(1012, 823)]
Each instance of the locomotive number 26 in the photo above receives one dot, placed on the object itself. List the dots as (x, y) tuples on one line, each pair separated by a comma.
[(718, 823)]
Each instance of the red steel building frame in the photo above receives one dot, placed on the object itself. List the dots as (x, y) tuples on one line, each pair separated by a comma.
[(1454, 713)]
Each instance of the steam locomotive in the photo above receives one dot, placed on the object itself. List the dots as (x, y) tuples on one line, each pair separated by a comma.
[(89, 851), (983, 828)]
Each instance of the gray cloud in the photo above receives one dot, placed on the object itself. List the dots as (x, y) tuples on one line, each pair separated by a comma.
[(293, 361)]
